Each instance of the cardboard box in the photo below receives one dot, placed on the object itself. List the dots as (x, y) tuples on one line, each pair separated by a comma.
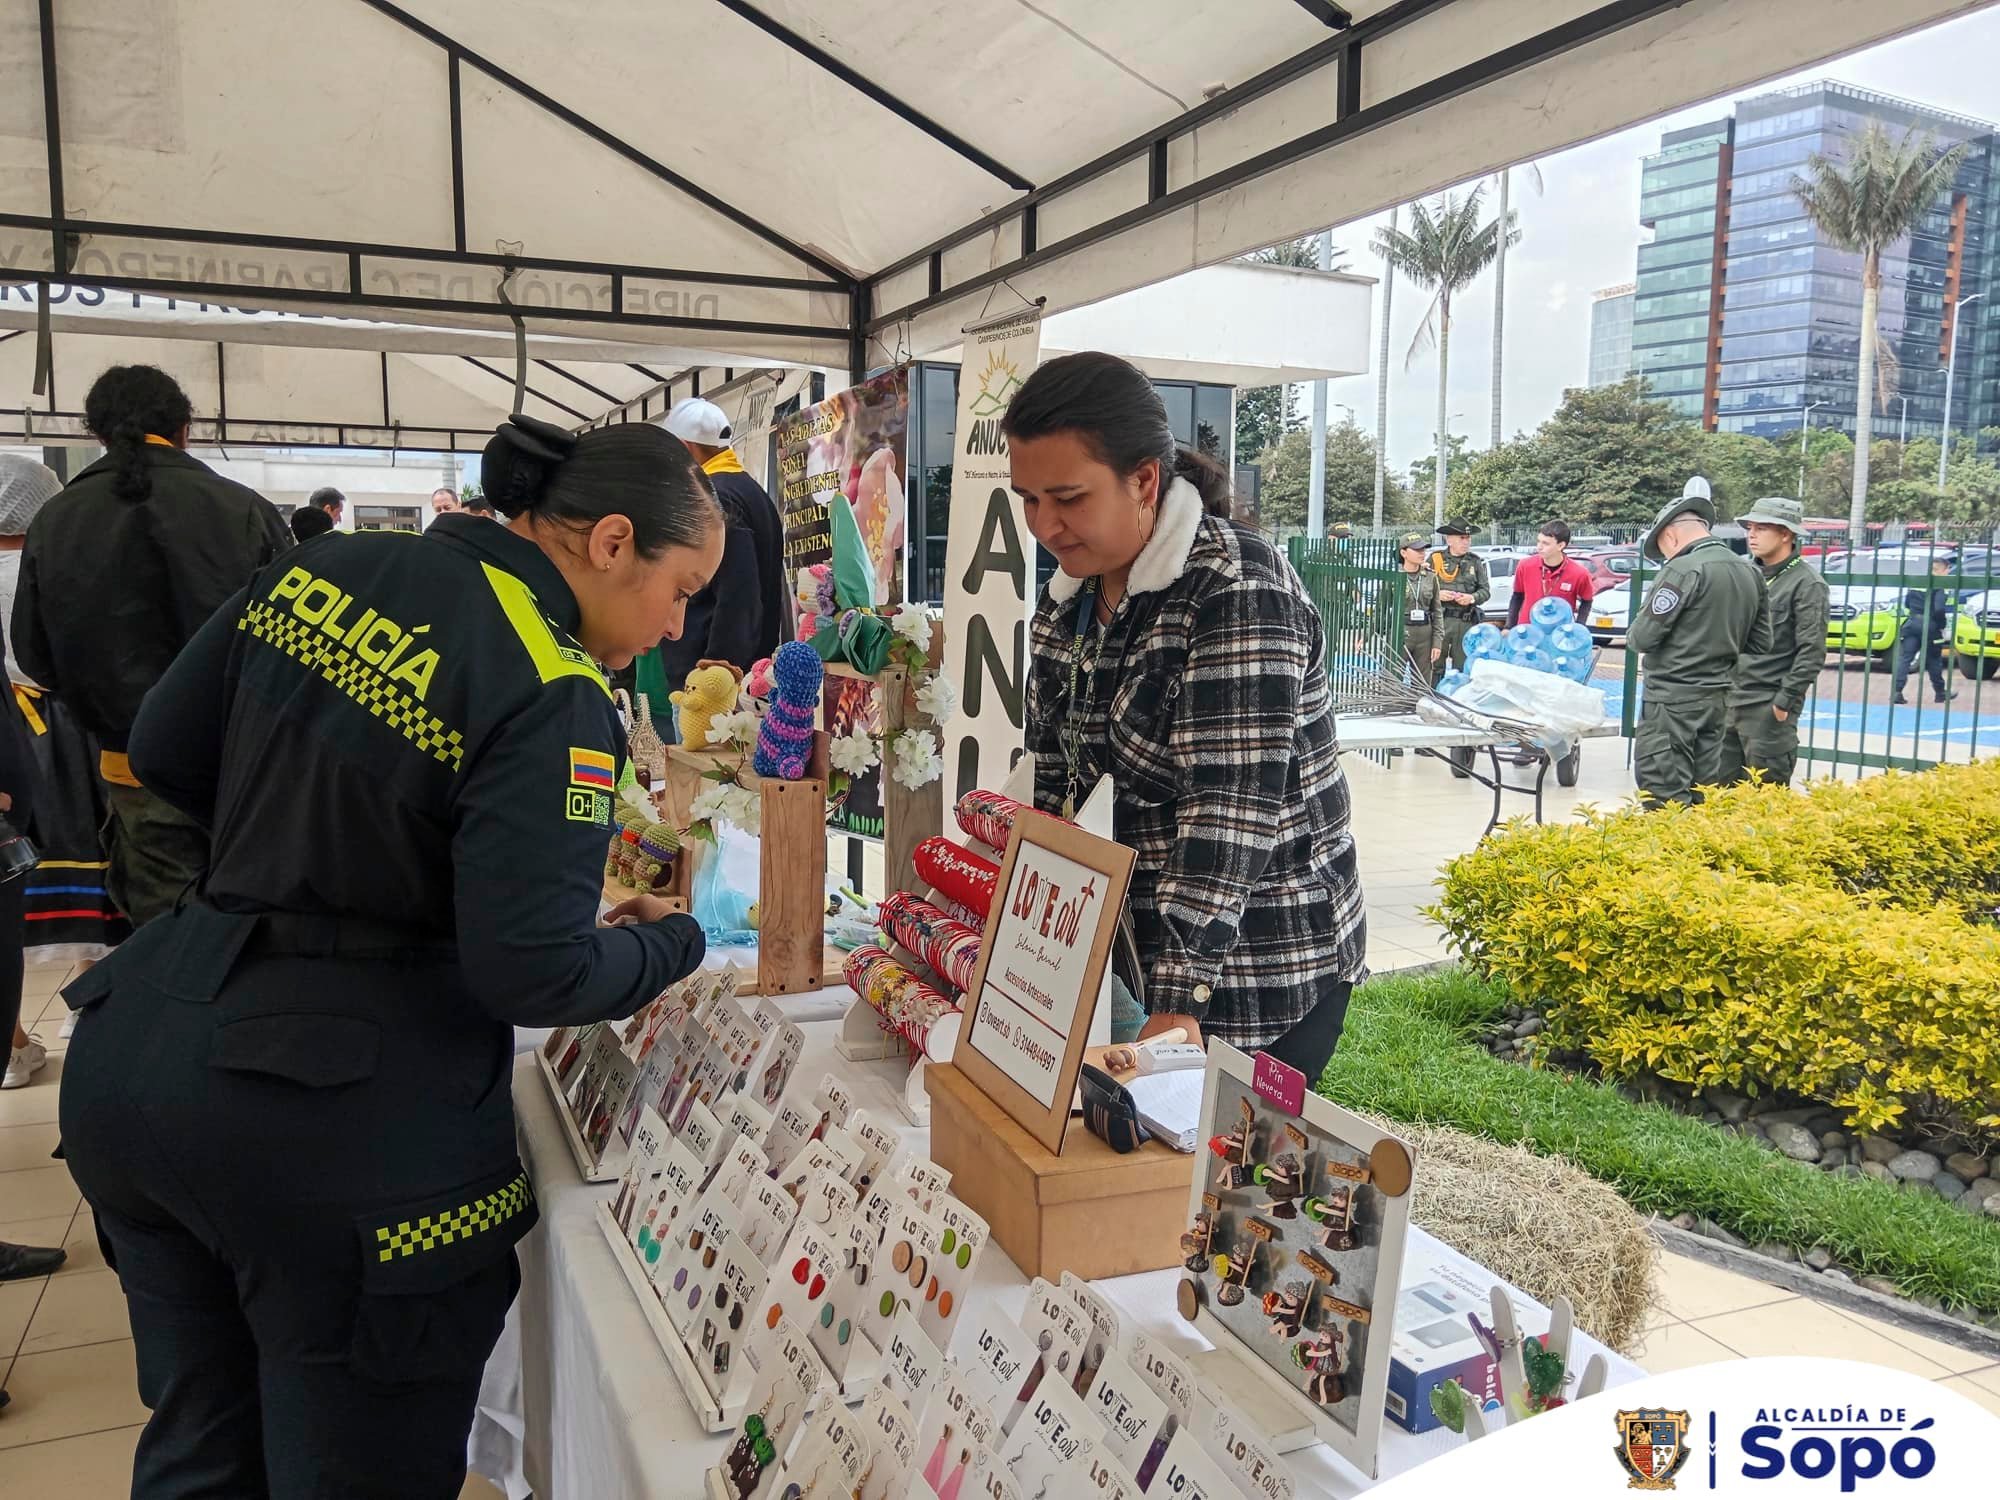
[(1088, 1210), (1433, 1341)]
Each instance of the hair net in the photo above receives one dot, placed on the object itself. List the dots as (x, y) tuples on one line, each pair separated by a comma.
[(25, 487)]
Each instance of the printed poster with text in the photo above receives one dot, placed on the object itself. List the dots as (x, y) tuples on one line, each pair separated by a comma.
[(1039, 965), (851, 449)]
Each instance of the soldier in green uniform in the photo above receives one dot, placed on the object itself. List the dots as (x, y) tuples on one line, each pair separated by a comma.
[(1771, 688), (1463, 585), (1705, 610), (1420, 608)]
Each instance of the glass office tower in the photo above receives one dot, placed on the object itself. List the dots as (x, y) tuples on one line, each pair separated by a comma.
[(1784, 330), (1611, 335)]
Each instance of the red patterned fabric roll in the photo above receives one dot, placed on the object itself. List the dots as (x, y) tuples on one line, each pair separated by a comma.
[(959, 913), (951, 949), (989, 817), (958, 874)]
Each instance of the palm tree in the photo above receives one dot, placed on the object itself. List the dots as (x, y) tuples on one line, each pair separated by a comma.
[(1500, 290), (1865, 203), (1382, 389), (1444, 250)]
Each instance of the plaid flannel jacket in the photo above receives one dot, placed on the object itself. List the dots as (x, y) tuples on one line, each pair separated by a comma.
[(1209, 706)]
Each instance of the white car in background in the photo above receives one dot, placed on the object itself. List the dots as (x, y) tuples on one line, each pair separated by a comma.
[(1610, 613), (1500, 565)]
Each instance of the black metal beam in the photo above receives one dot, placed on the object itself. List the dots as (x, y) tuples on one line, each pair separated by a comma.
[(502, 375), (574, 379), (386, 420), (345, 432), (1581, 30), (858, 304), (457, 155), (352, 248), (649, 374), (605, 138), (1327, 13), (862, 84), (1274, 77), (52, 128), (221, 382)]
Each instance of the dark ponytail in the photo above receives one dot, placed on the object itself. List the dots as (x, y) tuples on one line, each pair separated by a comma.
[(630, 469), (1113, 407), (127, 403)]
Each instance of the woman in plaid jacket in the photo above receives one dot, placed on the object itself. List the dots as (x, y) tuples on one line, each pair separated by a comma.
[(1178, 652)]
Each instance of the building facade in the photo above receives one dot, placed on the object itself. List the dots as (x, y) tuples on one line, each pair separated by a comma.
[(1611, 334), (1746, 318)]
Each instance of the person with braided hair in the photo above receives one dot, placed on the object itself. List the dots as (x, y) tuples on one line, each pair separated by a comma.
[(118, 573)]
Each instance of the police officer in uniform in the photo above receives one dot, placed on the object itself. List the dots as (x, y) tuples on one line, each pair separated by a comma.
[(1763, 733), (288, 1101), (1705, 610), (1420, 608), (1463, 585)]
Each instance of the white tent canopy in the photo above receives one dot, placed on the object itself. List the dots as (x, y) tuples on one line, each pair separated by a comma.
[(823, 182)]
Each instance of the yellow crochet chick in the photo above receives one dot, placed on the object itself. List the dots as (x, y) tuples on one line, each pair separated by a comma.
[(709, 691)]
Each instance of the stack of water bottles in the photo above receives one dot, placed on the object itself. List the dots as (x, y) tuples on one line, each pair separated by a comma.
[(1549, 640)]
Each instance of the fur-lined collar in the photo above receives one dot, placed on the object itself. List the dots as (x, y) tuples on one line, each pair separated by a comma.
[(1164, 557)]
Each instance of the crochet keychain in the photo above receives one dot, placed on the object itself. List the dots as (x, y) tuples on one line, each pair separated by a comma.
[(784, 738)]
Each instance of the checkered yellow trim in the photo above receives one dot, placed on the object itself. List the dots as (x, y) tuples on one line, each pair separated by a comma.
[(319, 652), (435, 1231)]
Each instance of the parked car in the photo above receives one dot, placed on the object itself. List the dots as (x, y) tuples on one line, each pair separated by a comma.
[(1865, 593), (1610, 567), (1500, 565), (1975, 635), (1610, 613)]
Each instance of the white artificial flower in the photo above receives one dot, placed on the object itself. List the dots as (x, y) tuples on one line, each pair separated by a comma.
[(937, 698), (854, 752), (708, 807), (913, 623), (733, 729), (744, 808), (918, 763)]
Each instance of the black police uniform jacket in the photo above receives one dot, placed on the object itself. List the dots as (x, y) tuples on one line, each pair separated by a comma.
[(408, 766)]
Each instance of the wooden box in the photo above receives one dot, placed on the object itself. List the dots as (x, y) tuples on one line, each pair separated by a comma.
[(1088, 1210)]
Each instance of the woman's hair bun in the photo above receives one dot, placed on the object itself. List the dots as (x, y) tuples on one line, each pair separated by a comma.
[(519, 459)]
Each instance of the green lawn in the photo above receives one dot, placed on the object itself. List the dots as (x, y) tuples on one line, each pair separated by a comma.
[(1407, 1054)]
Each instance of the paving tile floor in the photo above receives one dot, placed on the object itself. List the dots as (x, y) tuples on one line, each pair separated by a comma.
[(66, 1349)]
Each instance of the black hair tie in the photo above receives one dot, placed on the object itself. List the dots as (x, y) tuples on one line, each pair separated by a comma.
[(538, 447)]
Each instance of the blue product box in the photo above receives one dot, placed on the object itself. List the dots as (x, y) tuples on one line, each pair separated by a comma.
[(1434, 1342)]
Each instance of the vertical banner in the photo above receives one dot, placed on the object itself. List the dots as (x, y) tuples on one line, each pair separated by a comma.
[(989, 563), (850, 449)]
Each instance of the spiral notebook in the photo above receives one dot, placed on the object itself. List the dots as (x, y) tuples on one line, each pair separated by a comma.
[(1169, 1105)]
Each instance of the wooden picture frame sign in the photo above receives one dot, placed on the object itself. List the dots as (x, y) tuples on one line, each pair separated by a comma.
[(1041, 967)]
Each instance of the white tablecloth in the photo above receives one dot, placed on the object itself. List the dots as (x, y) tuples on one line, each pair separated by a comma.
[(600, 1417)]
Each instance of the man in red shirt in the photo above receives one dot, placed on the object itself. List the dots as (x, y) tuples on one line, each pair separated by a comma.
[(1554, 572)]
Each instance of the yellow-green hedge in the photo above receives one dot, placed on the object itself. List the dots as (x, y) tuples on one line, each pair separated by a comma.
[(1822, 943)]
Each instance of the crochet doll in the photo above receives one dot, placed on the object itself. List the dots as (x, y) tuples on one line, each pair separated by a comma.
[(784, 739), (710, 690)]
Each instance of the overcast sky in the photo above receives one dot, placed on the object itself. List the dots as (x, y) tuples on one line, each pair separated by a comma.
[(1581, 234)]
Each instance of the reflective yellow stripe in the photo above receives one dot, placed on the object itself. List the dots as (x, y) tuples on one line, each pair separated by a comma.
[(25, 699), (115, 768), (551, 657), (443, 1228), (72, 864)]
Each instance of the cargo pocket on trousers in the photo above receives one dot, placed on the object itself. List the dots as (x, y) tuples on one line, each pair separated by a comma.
[(316, 1051), (437, 1278)]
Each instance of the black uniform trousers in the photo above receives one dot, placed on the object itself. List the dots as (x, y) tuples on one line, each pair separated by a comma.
[(298, 1141)]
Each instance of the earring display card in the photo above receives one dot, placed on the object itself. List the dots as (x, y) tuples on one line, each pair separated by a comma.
[(900, 1272), (790, 1131), (818, 1159), (879, 1144), (1294, 1250), (997, 1362), (767, 1219), (1169, 1375), (693, 1253), (646, 1090), (989, 1480), (1103, 1328), (832, 1452), (1228, 1437), (748, 1118), (954, 1265), (1056, 1435), (582, 1047), (892, 1445), (741, 1165), (1187, 1473), (1132, 1413), (734, 1031), (704, 1135), (607, 1105), (770, 1072), (924, 1179), (955, 1427), (1060, 1332), (1105, 1478), (676, 1185), (805, 1273), (642, 1168), (834, 1103), (709, 1081), (727, 1313), (911, 1363), (785, 1377)]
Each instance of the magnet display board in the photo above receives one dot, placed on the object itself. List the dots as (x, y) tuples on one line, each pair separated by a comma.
[(1041, 967)]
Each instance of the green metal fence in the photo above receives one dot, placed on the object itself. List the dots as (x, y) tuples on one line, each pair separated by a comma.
[(1358, 585), (1874, 634)]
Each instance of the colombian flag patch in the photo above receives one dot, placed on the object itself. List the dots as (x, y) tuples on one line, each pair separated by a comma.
[(592, 768)]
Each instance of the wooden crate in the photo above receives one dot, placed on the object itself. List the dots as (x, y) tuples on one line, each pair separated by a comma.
[(1088, 1210)]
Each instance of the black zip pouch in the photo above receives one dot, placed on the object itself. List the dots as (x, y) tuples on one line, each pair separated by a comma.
[(1109, 1112)]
